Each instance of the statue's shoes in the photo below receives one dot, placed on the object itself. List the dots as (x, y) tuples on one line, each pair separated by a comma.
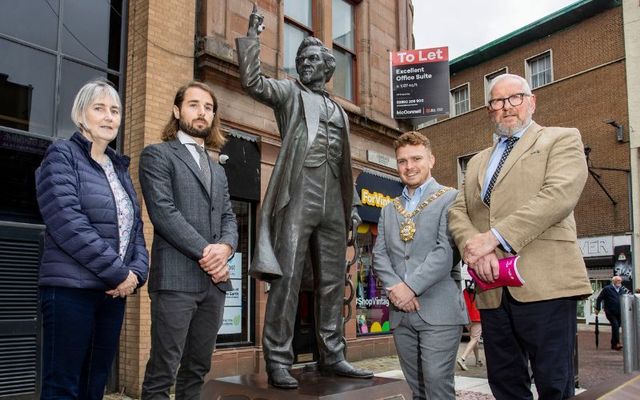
[(281, 378), (343, 368)]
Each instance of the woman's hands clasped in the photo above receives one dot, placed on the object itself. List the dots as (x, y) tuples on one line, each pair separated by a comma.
[(126, 287)]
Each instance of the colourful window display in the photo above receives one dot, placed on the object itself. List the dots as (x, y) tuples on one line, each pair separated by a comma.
[(372, 304)]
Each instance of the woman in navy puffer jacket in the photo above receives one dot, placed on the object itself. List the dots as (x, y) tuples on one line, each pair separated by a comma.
[(94, 251)]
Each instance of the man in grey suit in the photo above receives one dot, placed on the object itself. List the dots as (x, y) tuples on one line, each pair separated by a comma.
[(195, 234), (307, 206), (416, 261)]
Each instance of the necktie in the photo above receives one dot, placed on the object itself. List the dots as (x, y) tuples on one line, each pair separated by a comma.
[(509, 146), (204, 166)]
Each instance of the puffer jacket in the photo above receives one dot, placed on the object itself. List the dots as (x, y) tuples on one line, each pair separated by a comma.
[(79, 211)]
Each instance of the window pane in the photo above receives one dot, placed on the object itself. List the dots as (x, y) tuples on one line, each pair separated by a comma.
[(86, 34), (20, 155), (292, 39), (343, 76), (237, 325), (42, 17), (461, 100), (300, 10), (343, 25), (74, 76), (27, 82), (540, 70)]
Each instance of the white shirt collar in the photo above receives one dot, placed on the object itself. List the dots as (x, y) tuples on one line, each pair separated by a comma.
[(419, 190), (186, 139)]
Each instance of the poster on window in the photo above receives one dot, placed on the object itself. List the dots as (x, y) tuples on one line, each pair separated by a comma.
[(235, 266), (622, 265), (231, 321), (372, 304), (419, 82)]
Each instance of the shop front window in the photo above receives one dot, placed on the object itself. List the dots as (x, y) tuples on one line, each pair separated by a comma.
[(372, 304), (236, 323)]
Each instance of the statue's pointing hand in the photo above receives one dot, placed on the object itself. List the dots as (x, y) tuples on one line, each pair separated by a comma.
[(256, 22)]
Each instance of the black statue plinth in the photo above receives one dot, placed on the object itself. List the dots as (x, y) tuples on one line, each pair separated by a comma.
[(312, 386)]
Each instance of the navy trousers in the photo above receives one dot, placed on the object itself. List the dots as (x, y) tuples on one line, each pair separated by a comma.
[(614, 320), (81, 328), (542, 333)]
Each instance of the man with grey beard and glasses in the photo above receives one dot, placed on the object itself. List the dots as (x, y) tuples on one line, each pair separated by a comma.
[(518, 199)]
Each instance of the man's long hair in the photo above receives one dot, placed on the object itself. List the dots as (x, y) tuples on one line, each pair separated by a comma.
[(215, 139)]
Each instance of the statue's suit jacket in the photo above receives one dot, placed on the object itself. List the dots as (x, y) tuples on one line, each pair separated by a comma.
[(298, 122), (532, 206), (427, 264), (185, 217)]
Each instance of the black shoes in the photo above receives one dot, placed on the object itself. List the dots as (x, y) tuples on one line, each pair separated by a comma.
[(343, 368), (281, 378)]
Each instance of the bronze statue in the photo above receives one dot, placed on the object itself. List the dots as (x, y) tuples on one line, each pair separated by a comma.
[(308, 205)]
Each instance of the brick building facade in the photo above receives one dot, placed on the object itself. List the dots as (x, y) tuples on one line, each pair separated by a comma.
[(162, 55), (582, 47), (148, 49)]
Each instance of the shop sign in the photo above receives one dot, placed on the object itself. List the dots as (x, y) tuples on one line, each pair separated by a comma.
[(381, 159), (375, 192), (596, 246)]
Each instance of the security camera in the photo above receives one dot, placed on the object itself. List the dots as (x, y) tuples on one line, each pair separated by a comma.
[(223, 158)]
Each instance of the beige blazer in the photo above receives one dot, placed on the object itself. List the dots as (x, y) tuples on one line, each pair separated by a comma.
[(532, 206)]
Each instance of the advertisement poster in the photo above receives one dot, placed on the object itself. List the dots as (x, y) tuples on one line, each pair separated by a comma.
[(232, 320), (419, 82)]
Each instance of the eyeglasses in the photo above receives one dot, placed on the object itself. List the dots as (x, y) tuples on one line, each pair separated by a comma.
[(515, 100)]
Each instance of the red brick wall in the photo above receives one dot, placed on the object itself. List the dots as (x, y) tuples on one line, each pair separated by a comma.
[(589, 87)]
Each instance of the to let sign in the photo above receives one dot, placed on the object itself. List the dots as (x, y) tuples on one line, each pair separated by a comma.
[(419, 82)]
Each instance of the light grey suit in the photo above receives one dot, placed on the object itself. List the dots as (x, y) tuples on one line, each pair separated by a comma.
[(426, 340), (186, 306)]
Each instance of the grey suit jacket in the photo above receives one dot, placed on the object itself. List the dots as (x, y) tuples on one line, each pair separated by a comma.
[(427, 264), (185, 217)]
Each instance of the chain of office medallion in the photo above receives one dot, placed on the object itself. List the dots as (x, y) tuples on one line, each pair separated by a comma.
[(402, 211)]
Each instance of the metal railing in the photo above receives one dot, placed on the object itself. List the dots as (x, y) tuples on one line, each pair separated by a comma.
[(630, 310)]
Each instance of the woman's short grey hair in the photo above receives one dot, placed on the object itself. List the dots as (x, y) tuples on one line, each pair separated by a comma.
[(87, 95), (526, 89)]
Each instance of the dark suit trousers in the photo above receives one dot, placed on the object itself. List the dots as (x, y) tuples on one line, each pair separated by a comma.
[(614, 320), (541, 332), (184, 327), (314, 223)]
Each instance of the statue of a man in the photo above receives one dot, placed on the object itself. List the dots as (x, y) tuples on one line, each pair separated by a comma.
[(308, 205)]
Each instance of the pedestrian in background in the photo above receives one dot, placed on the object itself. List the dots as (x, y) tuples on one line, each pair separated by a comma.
[(474, 327), (610, 296), (94, 252)]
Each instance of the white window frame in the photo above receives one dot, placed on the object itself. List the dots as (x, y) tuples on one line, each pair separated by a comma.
[(452, 99), (487, 81), (527, 67), (461, 164)]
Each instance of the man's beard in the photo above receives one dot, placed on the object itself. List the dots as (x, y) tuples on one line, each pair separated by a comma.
[(509, 131), (191, 131)]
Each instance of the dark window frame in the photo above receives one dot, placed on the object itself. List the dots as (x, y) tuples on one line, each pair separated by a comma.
[(61, 57)]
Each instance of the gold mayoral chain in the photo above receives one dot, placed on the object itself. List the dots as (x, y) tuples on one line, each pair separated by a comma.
[(408, 227)]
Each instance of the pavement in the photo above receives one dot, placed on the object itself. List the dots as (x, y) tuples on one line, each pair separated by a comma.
[(595, 366)]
